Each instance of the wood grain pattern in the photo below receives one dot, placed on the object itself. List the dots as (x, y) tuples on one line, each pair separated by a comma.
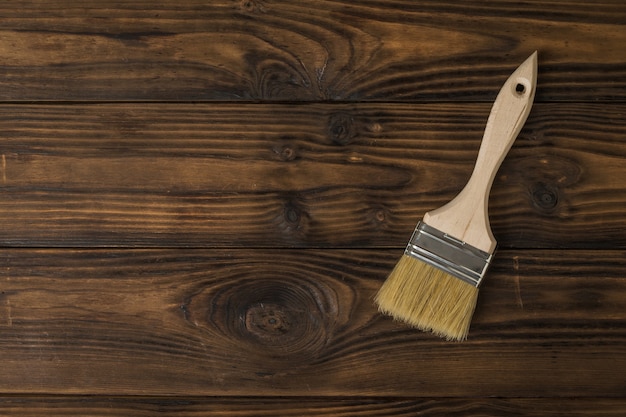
[(309, 175), (322, 50), (301, 322), (198, 200), (309, 407)]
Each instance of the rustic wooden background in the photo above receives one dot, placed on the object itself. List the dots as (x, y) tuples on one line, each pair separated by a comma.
[(200, 199)]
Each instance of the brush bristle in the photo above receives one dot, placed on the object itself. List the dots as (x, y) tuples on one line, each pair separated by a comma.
[(428, 298)]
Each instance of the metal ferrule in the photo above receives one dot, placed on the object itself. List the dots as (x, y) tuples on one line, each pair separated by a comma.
[(449, 254)]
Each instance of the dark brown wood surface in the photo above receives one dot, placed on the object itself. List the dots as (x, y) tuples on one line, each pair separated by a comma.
[(302, 51), (308, 175), (199, 200), (310, 407), (280, 322)]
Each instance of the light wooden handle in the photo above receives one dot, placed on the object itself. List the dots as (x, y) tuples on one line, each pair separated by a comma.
[(466, 216)]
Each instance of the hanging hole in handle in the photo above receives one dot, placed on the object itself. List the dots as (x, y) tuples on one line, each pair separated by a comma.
[(521, 87)]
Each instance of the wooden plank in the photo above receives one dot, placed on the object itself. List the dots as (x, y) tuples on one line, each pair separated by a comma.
[(320, 50), (301, 323), (308, 176), (306, 406)]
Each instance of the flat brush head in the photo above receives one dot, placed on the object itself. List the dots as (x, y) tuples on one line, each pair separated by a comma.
[(428, 298)]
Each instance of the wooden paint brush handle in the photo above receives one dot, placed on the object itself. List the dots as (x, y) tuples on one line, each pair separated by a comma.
[(466, 216)]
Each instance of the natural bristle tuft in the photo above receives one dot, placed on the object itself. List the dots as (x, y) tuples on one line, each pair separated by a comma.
[(428, 298)]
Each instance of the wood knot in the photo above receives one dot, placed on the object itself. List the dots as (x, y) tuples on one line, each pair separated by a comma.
[(285, 152), (292, 214), (378, 216), (268, 320), (545, 196), (546, 179), (286, 317), (251, 6), (341, 128), (293, 222)]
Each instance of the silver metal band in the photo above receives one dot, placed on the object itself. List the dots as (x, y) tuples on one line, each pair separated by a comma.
[(448, 254)]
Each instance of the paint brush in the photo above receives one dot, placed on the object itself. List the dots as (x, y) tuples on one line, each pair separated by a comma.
[(434, 285)]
